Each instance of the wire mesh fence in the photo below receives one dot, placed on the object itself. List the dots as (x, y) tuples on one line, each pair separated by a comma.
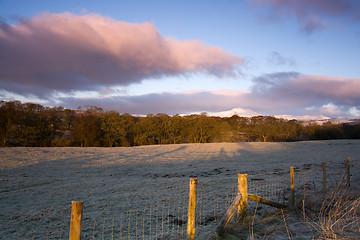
[(157, 214), (52, 220), (163, 214), (270, 186), (213, 201), (165, 218)]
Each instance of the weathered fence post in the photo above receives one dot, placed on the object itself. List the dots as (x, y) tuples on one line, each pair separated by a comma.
[(191, 210), (75, 222), (243, 191), (228, 215), (324, 176), (292, 180), (348, 171)]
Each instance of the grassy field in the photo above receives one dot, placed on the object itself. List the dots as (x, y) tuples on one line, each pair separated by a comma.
[(37, 185)]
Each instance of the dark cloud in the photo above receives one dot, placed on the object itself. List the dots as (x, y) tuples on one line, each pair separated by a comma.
[(312, 14), (66, 52)]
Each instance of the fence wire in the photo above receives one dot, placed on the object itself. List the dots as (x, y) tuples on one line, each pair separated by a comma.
[(162, 214), (159, 214), (213, 199), (166, 218)]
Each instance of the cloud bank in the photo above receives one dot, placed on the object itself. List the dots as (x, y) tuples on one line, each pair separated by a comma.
[(289, 93), (312, 15), (66, 52)]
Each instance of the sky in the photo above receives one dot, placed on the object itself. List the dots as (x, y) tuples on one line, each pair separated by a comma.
[(286, 58)]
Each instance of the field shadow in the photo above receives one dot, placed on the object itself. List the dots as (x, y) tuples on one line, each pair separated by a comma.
[(181, 148)]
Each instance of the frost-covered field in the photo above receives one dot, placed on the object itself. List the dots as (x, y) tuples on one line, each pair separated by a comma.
[(37, 185)]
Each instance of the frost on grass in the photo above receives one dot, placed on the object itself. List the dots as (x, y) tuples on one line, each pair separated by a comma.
[(37, 186)]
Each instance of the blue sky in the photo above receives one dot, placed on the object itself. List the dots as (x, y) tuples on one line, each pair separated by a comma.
[(269, 57)]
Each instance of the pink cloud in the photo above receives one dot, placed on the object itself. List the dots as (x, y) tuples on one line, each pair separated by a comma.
[(344, 90), (292, 85), (294, 93), (65, 52), (312, 13)]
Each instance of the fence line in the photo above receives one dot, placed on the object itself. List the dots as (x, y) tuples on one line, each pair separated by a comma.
[(158, 218), (168, 218)]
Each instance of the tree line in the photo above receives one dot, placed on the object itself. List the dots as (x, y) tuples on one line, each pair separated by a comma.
[(33, 125)]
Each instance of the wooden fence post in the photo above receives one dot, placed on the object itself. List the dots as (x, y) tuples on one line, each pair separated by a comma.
[(228, 215), (324, 177), (75, 222), (348, 171), (265, 201), (191, 210), (292, 180), (243, 191)]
